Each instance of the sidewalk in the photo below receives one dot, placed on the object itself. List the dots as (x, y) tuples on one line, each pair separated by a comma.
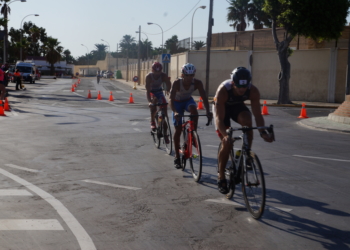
[(320, 123)]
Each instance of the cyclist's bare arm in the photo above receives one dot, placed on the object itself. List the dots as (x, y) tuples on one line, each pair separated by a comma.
[(165, 79), (202, 93), (174, 88), (256, 109), (221, 98), (148, 88)]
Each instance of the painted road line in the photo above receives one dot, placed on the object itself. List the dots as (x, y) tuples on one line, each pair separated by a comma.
[(111, 185), (30, 225), (121, 92), (137, 129), (80, 90), (134, 123), (79, 232), (67, 90), (321, 158), (22, 168), (14, 192), (279, 208), (14, 113), (225, 201)]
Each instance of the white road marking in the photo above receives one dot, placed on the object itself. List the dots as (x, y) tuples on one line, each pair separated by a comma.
[(14, 192), (30, 225), (233, 203), (54, 104), (67, 90), (280, 208), (79, 232), (111, 185), (80, 90), (14, 113), (117, 91), (134, 123), (22, 168), (137, 129), (225, 201), (321, 158)]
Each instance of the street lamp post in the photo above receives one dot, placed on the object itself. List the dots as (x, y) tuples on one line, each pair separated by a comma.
[(5, 28), (21, 31), (109, 49), (87, 56), (162, 34), (200, 7), (147, 40)]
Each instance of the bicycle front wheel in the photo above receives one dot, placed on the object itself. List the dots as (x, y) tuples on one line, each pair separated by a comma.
[(196, 157), (167, 138), (156, 134), (253, 185)]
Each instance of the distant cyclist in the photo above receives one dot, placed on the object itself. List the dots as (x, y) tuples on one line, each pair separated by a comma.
[(229, 104), (181, 99), (154, 91), (98, 77)]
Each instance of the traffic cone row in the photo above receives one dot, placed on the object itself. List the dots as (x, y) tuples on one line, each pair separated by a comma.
[(73, 90), (89, 95), (99, 96), (303, 111), (2, 113), (200, 103), (264, 110), (7, 105)]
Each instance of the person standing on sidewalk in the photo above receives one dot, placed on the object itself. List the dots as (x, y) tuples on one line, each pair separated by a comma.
[(98, 77), (2, 86), (18, 80)]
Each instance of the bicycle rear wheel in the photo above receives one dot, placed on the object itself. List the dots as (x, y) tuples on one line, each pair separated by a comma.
[(229, 173), (253, 186), (196, 157), (167, 134), (183, 147)]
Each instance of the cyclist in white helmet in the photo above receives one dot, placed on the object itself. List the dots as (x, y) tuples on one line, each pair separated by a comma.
[(181, 100)]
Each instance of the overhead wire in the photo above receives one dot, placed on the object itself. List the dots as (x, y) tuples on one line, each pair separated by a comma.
[(177, 22)]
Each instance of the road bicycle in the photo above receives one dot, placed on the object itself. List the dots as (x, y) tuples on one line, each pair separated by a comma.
[(244, 167), (162, 133), (190, 147)]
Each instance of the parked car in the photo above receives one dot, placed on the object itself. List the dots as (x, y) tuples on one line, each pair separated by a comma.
[(108, 74)]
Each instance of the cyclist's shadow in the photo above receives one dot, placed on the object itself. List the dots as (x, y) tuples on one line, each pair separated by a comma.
[(304, 227)]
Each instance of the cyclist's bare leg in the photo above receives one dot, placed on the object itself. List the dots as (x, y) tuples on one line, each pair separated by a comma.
[(245, 119), (193, 111), (177, 134), (223, 156), (165, 111)]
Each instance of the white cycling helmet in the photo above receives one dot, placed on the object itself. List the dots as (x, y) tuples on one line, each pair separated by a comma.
[(188, 69)]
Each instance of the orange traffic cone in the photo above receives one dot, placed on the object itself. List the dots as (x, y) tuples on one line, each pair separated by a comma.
[(111, 97), (73, 88), (7, 106), (131, 99), (75, 85), (264, 110), (200, 103), (99, 97), (79, 80), (303, 112), (2, 113), (89, 95)]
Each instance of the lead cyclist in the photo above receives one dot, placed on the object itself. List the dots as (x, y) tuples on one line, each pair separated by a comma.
[(229, 104)]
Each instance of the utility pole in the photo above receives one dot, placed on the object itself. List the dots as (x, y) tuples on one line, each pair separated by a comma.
[(139, 57), (210, 25)]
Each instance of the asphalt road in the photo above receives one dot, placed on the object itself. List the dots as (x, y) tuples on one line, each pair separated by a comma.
[(77, 173)]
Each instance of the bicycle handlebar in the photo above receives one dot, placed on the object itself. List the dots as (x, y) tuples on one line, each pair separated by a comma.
[(245, 129)]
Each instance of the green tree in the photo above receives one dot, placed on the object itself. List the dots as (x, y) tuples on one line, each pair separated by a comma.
[(100, 52), (319, 20), (198, 44), (53, 52), (5, 11), (257, 16), (237, 13)]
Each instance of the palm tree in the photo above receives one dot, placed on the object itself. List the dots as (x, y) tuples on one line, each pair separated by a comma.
[(100, 51), (5, 10), (198, 44), (146, 49), (257, 15), (67, 54), (238, 14), (126, 44), (53, 52)]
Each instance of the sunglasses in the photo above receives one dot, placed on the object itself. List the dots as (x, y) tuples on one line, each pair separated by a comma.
[(189, 75)]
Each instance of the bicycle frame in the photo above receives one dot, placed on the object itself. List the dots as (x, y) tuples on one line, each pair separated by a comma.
[(187, 128)]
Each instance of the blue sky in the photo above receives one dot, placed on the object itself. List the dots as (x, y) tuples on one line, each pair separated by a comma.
[(76, 22)]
